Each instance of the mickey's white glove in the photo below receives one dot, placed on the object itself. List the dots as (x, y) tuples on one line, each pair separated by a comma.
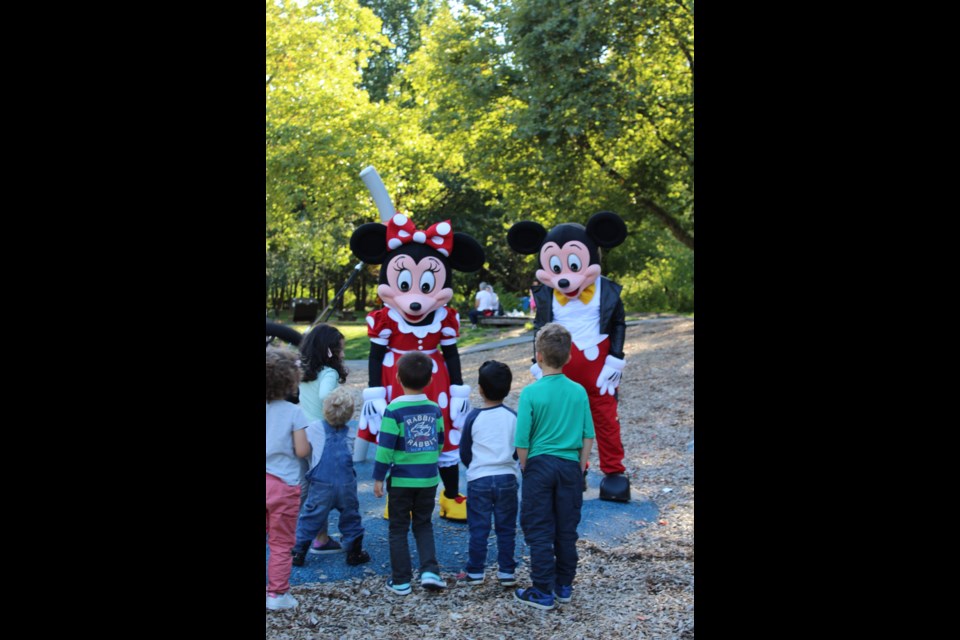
[(609, 378), (459, 404), (374, 404), (536, 371)]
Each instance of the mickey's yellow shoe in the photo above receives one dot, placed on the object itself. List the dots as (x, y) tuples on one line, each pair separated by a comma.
[(386, 505), (455, 509)]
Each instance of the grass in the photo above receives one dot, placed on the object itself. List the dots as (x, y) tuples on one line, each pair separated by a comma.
[(357, 344)]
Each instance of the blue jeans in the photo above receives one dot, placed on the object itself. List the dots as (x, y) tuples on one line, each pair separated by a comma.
[(322, 498), (496, 496), (552, 498)]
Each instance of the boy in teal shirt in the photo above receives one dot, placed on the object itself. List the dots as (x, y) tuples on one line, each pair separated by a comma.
[(408, 446), (554, 438)]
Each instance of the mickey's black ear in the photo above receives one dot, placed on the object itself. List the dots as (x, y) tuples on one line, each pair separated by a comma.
[(607, 229), (369, 242), (526, 237), (467, 253)]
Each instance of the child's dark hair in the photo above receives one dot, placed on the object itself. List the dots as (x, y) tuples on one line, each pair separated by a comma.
[(320, 341), (495, 378), (283, 373), (415, 370)]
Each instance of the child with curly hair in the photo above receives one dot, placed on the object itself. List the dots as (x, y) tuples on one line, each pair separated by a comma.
[(286, 441)]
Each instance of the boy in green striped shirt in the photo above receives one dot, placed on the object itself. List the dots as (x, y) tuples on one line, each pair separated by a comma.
[(409, 444)]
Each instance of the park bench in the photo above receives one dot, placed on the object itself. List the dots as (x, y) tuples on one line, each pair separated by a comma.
[(504, 321)]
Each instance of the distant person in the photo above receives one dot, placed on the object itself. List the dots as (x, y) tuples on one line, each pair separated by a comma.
[(554, 438), (487, 451), (533, 299), (286, 441), (495, 307), (483, 305)]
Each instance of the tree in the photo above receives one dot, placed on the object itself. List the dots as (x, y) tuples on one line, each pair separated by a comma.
[(557, 105)]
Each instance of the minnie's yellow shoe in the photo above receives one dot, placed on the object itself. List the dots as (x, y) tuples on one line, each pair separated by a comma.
[(386, 511), (455, 509)]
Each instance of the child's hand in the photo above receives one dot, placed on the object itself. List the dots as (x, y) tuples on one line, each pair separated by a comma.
[(378, 488)]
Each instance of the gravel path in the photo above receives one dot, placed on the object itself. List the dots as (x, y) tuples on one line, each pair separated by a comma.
[(642, 588)]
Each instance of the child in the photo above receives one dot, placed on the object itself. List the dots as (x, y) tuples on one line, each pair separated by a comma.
[(411, 437), (321, 357), (333, 485), (488, 452), (554, 438), (286, 441)]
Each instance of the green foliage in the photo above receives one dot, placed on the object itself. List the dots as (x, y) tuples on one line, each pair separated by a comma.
[(509, 301), (485, 113), (665, 283)]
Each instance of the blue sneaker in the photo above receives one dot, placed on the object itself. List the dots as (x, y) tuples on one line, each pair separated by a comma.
[(563, 593), (535, 598), (431, 581), (399, 589)]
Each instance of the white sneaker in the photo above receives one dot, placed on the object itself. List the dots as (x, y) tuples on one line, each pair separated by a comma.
[(282, 601)]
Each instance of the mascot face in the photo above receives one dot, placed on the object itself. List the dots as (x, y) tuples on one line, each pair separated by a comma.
[(567, 267), (416, 276), (569, 254), (414, 287)]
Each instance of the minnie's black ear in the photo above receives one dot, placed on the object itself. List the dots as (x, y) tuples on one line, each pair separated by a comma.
[(607, 229), (369, 242), (526, 237), (467, 253)]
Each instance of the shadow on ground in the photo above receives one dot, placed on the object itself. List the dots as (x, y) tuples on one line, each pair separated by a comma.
[(604, 523)]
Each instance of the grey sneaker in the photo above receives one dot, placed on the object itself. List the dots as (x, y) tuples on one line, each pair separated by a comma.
[(470, 578), (506, 579)]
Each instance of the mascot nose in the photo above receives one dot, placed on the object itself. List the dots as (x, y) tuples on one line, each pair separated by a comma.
[(563, 284), (414, 306)]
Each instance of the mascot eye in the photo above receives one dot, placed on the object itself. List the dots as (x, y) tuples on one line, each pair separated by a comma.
[(405, 280), (427, 282), (574, 262), (555, 265)]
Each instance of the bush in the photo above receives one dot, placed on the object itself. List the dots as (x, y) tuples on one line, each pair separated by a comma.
[(665, 283), (509, 301)]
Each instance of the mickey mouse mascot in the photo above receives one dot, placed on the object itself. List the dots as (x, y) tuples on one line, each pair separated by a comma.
[(416, 280), (589, 306)]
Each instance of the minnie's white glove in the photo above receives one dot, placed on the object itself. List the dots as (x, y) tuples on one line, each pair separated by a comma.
[(609, 378), (374, 404), (459, 404), (536, 371)]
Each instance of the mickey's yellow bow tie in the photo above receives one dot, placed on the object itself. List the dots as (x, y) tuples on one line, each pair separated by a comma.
[(585, 296)]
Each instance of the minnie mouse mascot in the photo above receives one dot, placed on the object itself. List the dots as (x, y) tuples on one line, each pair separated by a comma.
[(589, 306), (415, 285)]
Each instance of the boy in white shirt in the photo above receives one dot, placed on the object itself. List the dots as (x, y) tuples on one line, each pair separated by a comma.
[(487, 451)]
